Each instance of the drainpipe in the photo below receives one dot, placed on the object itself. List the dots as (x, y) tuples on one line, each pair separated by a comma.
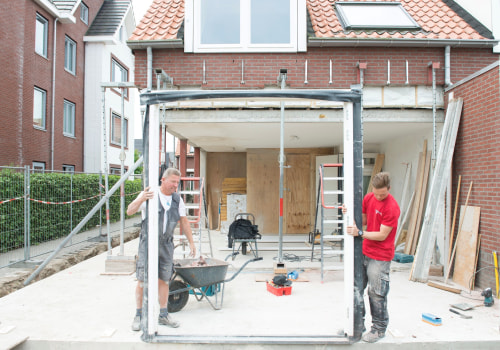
[(447, 66), (52, 111), (150, 68)]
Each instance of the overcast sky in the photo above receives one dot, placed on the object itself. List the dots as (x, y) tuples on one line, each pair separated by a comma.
[(140, 7)]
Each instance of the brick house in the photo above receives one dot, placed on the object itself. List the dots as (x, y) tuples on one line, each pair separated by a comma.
[(43, 82), (397, 52)]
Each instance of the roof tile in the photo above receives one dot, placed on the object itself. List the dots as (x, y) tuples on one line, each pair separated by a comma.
[(438, 19)]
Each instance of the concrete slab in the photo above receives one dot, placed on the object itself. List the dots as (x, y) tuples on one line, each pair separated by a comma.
[(82, 308)]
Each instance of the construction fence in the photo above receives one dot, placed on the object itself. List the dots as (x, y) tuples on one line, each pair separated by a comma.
[(39, 209)]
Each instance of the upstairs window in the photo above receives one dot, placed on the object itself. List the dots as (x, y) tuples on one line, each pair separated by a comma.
[(119, 74), (116, 130), (246, 26), (41, 31), (39, 108), (84, 13), (70, 55), (374, 15), (69, 119)]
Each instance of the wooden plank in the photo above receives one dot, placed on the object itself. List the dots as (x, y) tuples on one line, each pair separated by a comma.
[(404, 206), (452, 234), (377, 168), (463, 273), (297, 197), (420, 211), (219, 167), (263, 189), (450, 263), (443, 286), (416, 202), (475, 262)]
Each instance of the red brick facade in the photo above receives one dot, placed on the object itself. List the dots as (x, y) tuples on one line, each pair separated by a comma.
[(223, 71), (23, 69), (477, 159)]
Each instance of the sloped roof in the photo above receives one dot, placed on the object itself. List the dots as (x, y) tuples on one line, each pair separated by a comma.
[(162, 21), (109, 18), (438, 19)]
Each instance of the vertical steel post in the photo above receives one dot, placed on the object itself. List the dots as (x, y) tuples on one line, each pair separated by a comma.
[(105, 164), (282, 78), (27, 212), (122, 171)]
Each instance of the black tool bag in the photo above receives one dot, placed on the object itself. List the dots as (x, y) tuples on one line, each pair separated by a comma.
[(242, 229)]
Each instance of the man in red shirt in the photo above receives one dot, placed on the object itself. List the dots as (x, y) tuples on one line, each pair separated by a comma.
[(380, 221)]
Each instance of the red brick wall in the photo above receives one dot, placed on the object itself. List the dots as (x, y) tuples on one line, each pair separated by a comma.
[(223, 71), (22, 70), (477, 159)]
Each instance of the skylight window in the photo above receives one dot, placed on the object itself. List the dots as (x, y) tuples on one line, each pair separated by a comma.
[(374, 15)]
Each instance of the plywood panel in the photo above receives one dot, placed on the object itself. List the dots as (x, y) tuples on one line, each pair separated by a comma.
[(465, 259), (297, 193), (220, 166), (263, 181)]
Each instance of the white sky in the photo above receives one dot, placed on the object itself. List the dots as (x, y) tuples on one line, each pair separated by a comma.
[(140, 7)]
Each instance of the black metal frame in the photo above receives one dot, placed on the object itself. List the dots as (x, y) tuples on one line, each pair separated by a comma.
[(353, 96)]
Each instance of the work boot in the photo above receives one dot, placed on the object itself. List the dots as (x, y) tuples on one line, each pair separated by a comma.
[(373, 336), (136, 324), (168, 321)]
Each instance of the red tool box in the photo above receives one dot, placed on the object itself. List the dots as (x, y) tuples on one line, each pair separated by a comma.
[(278, 290)]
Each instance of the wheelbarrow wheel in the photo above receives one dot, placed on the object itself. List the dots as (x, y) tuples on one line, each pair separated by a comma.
[(178, 300), (244, 248)]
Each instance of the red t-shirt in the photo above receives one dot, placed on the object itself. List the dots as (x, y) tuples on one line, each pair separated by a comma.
[(385, 212)]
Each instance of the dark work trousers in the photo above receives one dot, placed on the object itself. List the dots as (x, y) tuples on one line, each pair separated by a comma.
[(376, 276)]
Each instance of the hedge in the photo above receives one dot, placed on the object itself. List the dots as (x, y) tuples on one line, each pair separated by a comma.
[(52, 221)]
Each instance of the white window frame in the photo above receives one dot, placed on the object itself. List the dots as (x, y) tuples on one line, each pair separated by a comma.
[(41, 38), (70, 55), (39, 110), (123, 78), (68, 168), (69, 118), (84, 13), (38, 167), (114, 132), (298, 31)]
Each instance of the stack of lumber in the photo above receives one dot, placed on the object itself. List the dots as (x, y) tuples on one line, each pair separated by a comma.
[(421, 181), (231, 185)]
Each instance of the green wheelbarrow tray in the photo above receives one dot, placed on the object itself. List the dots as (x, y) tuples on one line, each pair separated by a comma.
[(201, 281)]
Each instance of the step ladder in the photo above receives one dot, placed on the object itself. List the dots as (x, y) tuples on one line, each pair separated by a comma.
[(191, 191), (329, 203)]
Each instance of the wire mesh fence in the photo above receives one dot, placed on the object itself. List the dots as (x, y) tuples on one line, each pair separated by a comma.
[(38, 210)]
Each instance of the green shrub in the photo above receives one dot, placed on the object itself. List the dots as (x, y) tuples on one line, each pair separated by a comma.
[(52, 221)]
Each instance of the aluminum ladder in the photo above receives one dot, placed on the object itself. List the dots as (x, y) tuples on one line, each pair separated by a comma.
[(191, 191), (329, 202)]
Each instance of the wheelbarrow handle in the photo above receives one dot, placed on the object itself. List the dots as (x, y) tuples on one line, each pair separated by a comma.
[(241, 268)]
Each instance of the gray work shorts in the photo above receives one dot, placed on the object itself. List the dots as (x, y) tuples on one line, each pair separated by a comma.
[(165, 257)]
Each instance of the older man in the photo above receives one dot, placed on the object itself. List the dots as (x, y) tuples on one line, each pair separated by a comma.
[(171, 211)]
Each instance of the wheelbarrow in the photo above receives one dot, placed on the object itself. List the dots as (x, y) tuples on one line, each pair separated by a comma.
[(201, 281)]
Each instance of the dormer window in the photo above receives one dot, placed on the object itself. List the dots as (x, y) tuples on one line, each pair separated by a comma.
[(245, 26), (374, 16)]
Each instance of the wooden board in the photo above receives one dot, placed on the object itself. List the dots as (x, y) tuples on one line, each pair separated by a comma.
[(263, 182), (444, 286), (465, 259), (423, 193), (231, 185), (220, 166), (297, 194), (377, 167), (416, 201)]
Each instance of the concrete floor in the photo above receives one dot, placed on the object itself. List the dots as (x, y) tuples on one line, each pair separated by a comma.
[(82, 308)]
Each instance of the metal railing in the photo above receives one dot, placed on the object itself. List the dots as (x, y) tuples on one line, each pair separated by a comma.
[(38, 210)]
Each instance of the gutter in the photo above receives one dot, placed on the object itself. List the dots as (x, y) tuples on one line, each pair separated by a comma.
[(335, 42), (155, 44)]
